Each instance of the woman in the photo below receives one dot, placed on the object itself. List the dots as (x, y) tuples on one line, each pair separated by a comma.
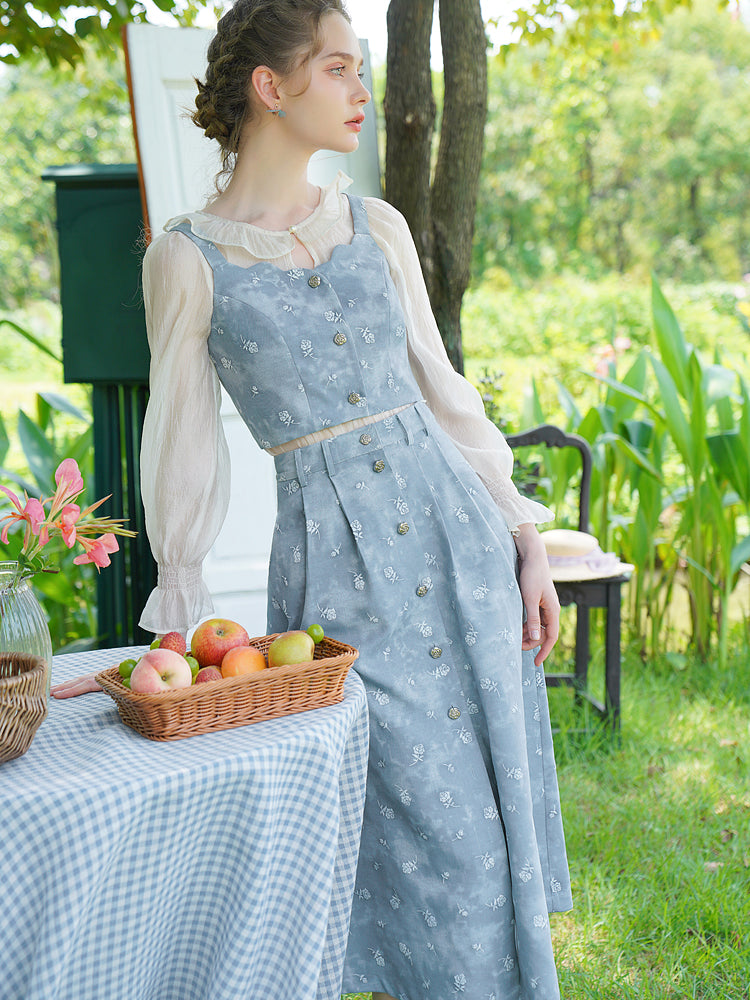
[(398, 526)]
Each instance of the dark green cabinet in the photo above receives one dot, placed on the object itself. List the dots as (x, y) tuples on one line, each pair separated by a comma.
[(100, 231)]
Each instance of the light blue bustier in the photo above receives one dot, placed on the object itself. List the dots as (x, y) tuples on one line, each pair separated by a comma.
[(306, 348)]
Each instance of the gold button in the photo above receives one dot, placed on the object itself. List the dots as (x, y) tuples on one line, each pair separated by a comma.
[(454, 713), (314, 280), (354, 398), (365, 438), (379, 465), (402, 528), (436, 652), (339, 339), (422, 590)]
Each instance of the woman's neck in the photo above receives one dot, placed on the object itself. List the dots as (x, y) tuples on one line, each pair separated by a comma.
[(269, 186)]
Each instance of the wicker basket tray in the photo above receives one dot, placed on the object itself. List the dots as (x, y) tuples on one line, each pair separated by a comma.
[(235, 701), (23, 702)]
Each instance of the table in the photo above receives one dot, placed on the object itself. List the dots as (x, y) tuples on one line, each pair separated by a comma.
[(216, 867)]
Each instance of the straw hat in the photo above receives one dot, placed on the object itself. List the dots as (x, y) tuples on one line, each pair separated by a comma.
[(576, 555)]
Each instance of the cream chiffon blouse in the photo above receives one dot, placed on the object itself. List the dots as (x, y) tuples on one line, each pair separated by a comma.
[(184, 457)]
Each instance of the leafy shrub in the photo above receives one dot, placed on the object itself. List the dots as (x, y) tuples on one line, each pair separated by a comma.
[(670, 441)]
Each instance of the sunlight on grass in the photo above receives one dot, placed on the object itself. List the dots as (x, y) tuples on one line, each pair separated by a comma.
[(659, 843), (658, 832)]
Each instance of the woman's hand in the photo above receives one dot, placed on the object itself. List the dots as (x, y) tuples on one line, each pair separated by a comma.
[(79, 685), (542, 625)]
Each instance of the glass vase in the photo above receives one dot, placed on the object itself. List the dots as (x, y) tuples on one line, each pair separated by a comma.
[(23, 625)]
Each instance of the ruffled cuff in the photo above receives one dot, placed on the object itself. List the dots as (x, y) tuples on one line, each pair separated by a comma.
[(178, 602), (515, 508)]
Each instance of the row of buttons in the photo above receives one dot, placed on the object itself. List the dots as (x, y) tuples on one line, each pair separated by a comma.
[(354, 397), (423, 589), (339, 339)]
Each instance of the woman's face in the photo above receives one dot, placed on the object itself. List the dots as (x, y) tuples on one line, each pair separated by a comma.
[(327, 112)]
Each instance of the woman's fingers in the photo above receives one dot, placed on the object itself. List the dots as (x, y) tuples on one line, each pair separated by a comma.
[(542, 625), (79, 685)]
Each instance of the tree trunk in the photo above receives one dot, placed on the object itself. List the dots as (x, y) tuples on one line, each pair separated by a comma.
[(441, 216), (409, 108), (456, 184)]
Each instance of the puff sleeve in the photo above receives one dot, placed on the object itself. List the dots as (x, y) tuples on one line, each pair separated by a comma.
[(184, 456), (454, 401)]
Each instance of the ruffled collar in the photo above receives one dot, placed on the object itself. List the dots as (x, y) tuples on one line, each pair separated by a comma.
[(267, 244)]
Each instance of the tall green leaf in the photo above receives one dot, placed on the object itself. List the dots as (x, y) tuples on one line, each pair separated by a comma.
[(719, 385), (698, 421), (39, 451), (29, 336), (4, 440), (57, 402), (731, 461), (531, 410), (675, 419), (673, 348), (740, 554)]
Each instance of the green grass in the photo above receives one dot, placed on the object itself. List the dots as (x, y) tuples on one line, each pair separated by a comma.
[(658, 834)]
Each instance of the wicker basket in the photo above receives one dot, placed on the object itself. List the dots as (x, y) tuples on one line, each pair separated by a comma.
[(235, 701), (23, 702)]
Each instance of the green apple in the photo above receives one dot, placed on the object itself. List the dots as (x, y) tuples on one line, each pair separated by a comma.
[(126, 668), (290, 647), (316, 633)]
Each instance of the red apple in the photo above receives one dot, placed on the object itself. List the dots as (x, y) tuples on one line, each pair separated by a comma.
[(175, 641), (214, 638), (206, 674), (160, 670), (291, 647)]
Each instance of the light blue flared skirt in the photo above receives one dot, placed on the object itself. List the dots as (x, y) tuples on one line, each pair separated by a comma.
[(387, 537)]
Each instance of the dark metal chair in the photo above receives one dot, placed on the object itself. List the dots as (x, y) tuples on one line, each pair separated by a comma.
[(585, 594)]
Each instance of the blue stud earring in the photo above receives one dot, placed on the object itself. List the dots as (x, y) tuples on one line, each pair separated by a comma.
[(276, 111)]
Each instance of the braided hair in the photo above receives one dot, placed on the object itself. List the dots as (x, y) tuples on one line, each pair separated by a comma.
[(280, 34)]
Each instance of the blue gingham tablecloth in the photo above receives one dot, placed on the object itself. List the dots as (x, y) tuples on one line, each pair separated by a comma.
[(216, 867)]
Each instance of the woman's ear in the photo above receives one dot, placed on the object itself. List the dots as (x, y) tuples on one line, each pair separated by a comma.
[(263, 85)]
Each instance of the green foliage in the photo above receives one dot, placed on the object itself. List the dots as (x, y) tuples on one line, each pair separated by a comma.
[(63, 33), (563, 328), (589, 24), (50, 117), (671, 479), (631, 160), (656, 831), (58, 430)]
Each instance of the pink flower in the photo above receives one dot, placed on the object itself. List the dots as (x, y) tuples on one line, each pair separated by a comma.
[(68, 472), (69, 485), (32, 513), (67, 523), (97, 550), (11, 496), (60, 515)]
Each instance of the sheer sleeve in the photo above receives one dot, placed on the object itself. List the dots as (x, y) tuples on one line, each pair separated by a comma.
[(454, 401), (184, 456)]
